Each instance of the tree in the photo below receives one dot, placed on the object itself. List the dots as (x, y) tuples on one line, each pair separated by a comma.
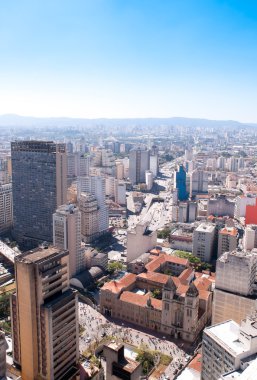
[(156, 293), (114, 267), (164, 234), (146, 358)]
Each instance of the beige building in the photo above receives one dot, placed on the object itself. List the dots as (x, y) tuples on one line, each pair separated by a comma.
[(89, 217), (140, 240), (120, 366), (227, 240), (44, 316), (67, 235), (235, 288), (203, 241), (228, 347), (182, 308)]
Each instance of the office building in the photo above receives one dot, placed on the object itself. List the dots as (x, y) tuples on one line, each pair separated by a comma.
[(120, 193), (204, 238), (198, 182), (140, 240), (180, 183), (235, 287), (6, 208), (227, 240), (44, 316), (228, 346), (119, 169), (67, 235), (39, 183), (89, 217), (139, 162)]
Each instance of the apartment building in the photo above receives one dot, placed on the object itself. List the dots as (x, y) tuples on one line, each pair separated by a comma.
[(44, 316), (67, 235), (204, 238), (235, 287), (227, 240), (6, 208), (227, 346)]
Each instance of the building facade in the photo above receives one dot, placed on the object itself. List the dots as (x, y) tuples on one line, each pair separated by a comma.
[(44, 316), (39, 181), (180, 183), (204, 241), (6, 208), (67, 235), (139, 162)]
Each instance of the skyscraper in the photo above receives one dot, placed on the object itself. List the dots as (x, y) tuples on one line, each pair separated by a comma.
[(39, 176), (67, 235), (180, 183), (139, 162), (44, 316), (198, 182)]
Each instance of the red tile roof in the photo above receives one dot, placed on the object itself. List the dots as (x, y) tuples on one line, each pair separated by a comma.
[(196, 363), (140, 300)]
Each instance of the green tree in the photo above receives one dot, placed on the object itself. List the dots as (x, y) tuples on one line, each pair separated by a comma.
[(146, 358), (156, 293), (114, 267)]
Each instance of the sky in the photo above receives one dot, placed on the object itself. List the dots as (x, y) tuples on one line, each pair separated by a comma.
[(129, 58)]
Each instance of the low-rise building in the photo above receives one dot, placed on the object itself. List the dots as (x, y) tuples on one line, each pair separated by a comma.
[(175, 306)]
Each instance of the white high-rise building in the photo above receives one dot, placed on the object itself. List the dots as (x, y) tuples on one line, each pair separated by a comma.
[(67, 235), (6, 208), (120, 193), (95, 185), (198, 182), (227, 240), (232, 164), (119, 169), (221, 163), (154, 164), (83, 164), (250, 237), (228, 347), (149, 179)]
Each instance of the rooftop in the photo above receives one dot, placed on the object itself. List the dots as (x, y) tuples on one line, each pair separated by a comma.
[(204, 227), (227, 334), (40, 254), (232, 231)]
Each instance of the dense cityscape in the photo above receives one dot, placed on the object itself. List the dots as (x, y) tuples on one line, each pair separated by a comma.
[(128, 252)]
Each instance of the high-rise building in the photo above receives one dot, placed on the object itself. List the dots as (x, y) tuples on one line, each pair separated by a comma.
[(198, 182), (67, 235), (90, 229), (228, 347), (232, 164), (180, 183), (44, 316), (221, 206), (204, 237), (235, 286), (3, 347), (227, 240), (221, 162), (39, 180), (251, 214), (148, 179), (240, 205), (139, 162), (250, 237), (154, 164), (119, 169), (6, 208), (95, 185)]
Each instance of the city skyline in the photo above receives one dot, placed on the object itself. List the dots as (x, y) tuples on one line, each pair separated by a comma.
[(112, 59)]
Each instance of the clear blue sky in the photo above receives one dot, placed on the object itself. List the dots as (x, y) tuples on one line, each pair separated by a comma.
[(129, 58)]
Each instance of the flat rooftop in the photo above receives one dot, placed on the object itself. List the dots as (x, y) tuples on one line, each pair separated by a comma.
[(227, 334), (205, 228), (39, 254)]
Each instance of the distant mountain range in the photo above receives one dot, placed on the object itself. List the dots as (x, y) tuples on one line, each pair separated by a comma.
[(14, 121)]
